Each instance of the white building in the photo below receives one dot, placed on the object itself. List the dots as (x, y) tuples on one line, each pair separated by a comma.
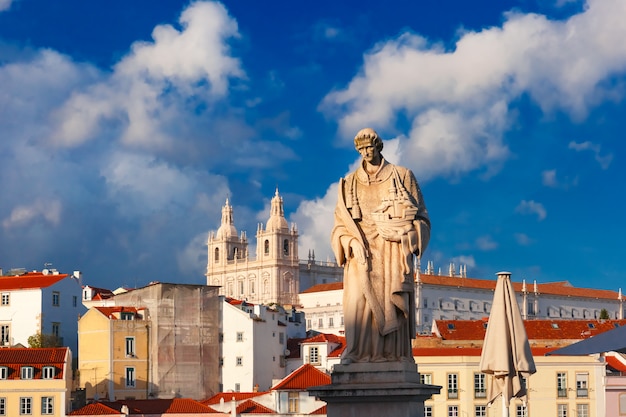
[(441, 297), (254, 344), (44, 302), (288, 396)]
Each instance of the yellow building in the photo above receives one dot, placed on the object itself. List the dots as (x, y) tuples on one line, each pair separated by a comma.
[(35, 381), (563, 386), (113, 359)]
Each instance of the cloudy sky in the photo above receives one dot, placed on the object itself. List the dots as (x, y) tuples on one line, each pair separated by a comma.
[(125, 125)]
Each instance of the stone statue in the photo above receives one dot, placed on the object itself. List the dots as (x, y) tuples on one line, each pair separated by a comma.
[(381, 222)]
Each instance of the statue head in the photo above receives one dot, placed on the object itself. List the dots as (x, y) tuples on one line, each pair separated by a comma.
[(368, 137)]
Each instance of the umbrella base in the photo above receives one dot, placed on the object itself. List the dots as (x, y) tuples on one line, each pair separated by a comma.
[(375, 389)]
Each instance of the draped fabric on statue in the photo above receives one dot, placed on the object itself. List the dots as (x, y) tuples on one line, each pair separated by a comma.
[(379, 303)]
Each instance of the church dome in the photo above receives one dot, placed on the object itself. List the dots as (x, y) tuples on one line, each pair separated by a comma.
[(227, 228), (277, 219)]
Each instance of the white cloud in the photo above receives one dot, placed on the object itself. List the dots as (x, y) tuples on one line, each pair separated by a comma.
[(315, 219), (532, 207), (486, 243), (548, 178), (603, 160), (5, 5), (149, 88), (458, 102), (523, 239), (23, 215)]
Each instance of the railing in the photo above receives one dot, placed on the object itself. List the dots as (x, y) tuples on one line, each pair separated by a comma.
[(582, 392), (561, 393), (480, 394), (452, 394)]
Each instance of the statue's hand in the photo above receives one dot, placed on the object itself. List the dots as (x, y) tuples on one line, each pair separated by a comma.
[(390, 234), (358, 251)]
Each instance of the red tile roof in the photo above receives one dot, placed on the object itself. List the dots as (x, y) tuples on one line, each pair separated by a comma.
[(108, 311), (324, 287), (614, 363), (535, 329), (302, 378), (156, 406), (324, 337), (562, 288), (29, 280), (15, 358), (251, 407), (228, 396), (95, 409)]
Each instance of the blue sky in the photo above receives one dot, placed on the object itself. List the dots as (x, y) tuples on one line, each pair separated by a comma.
[(126, 125)]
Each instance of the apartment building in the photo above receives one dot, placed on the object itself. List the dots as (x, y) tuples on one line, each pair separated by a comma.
[(45, 302), (35, 381), (254, 344), (114, 353)]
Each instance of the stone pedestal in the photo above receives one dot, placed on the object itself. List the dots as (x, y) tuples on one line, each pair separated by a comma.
[(375, 389)]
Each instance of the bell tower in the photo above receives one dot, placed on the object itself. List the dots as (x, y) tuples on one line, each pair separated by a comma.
[(225, 248), (277, 250)]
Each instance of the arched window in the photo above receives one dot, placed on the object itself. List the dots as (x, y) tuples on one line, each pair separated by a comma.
[(286, 247), (217, 254), (266, 246), (235, 253)]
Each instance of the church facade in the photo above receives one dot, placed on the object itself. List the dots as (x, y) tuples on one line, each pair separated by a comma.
[(270, 277)]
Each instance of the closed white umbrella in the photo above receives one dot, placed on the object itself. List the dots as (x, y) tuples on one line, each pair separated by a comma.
[(506, 355)]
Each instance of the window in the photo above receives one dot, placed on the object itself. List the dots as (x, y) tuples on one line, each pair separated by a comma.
[(281, 338), (622, 404), (47, 372), (480, 388), (266, 247), (314, 356), (3, 406), (6, 298), (561, 384), (47, 405), (308, 323), (582, 410), (581, 385), (56, 298), (221, 361), (426, 379), (285, 247), (521, 411), (320, 323), (239, 361), (480, 411), (331, 322), (217, 255), (453, 411), (453, 387), (4, 372), (428, 411), (252, 290), (130, 377), (130, 346), (240, 287), (561, 410), (293, 400), (341, 320), (237, 387), (126, 315), (26, 405), (240, 336), (5, 339), (55, 329), (27, 372)]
